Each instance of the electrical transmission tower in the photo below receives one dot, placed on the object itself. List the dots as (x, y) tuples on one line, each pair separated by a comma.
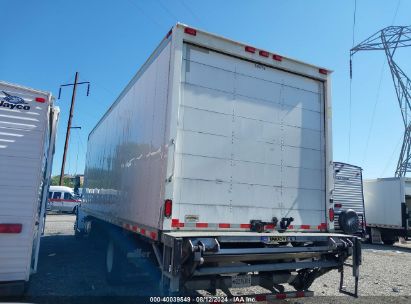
[(388, 40)]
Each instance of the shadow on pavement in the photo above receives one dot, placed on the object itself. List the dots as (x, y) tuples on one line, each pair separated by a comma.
[(386, 247)]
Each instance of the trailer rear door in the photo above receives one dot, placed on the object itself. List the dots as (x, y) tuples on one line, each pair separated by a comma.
[(250, 144)]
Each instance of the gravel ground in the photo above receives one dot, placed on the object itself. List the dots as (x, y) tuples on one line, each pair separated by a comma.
[(72, 270)]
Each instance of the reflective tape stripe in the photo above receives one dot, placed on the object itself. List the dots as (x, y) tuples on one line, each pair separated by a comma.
[(143, 231), (175, 223)]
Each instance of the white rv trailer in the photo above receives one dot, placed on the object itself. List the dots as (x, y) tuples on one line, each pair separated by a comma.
[(388, 206), (28, 124), (348, 195), (217, 152)]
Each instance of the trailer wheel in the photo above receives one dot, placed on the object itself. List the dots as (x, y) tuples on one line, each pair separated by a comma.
[(115, 262)]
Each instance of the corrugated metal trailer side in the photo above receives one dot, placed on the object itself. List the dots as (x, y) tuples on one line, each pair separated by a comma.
[(348, 193)]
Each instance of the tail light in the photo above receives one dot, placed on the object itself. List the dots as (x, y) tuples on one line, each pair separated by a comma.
[(331, 214), (40, 99), (337, 205), (168, 207), (10, 228)]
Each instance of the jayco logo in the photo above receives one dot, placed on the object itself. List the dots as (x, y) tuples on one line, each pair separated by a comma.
[(13, 102)]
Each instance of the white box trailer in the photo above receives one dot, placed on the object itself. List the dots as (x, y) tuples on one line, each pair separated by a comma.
[(388, 206), (214, 142), (28, 122)]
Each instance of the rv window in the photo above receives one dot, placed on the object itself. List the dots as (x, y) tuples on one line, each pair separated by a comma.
[(57, 195)]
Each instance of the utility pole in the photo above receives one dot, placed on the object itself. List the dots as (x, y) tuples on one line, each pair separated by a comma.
[(73, 99)]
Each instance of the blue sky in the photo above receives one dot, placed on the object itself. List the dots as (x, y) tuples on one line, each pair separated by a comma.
[(45, 42)]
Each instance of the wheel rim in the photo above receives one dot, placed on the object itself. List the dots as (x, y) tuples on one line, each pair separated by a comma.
[(110, 256)]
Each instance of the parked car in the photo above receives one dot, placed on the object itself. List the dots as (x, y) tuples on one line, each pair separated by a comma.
[(62, 199)]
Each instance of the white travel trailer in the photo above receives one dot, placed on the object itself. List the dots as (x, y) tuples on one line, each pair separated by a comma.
[(349, 198), (216, 161), (28, 124), (388, 206)]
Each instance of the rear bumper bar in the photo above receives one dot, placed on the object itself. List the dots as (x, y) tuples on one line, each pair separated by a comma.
[(190, 256)]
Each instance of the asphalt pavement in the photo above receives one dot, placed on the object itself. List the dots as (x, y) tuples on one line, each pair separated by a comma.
[(72, 270)]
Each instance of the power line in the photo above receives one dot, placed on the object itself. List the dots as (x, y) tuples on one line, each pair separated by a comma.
[(373, 111), (187, 7), (396, 12), (165, 8), (350, 98), (391, 157), (142, 12)]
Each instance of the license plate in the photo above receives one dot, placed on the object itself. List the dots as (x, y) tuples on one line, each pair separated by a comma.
[(241, 281), (276, 239)]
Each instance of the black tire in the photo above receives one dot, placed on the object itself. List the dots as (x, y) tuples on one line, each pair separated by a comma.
[(115, 263)]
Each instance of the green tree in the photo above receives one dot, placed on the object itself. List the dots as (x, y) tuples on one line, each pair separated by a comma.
[(67, 181)]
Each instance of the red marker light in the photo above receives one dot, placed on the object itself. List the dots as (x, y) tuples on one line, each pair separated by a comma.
[(263, 53), (249, 49), (337, 205), (323, 71), (190, 31), (277, 57), (40, 99)]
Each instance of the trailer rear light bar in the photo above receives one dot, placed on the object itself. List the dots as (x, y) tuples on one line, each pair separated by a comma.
[(11, 228)]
